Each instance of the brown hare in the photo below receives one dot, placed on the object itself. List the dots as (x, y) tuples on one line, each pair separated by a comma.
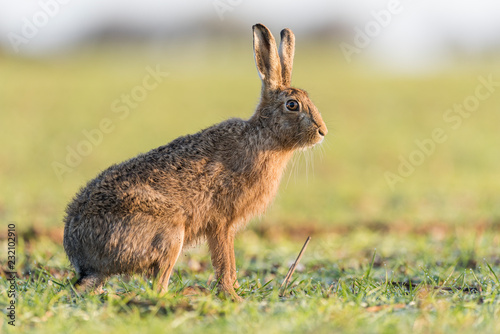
[(138, 215)]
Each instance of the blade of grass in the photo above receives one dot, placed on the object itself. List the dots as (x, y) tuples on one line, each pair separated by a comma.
[(368, 271), (292, 268), (491, 270)]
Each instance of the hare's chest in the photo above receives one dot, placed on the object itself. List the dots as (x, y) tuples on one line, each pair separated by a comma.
[(260, 190), (253, 202)]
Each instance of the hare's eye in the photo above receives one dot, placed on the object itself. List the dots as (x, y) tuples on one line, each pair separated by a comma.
[(292, 105)]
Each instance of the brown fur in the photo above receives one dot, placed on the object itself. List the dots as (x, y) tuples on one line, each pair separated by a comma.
[(138, 215)]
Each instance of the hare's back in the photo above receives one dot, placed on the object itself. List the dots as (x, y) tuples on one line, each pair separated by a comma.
[(151, 182)]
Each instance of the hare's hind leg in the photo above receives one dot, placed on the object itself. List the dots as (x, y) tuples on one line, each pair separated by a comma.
[(164, 269)]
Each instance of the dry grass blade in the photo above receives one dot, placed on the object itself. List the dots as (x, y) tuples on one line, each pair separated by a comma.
[(292, 268)]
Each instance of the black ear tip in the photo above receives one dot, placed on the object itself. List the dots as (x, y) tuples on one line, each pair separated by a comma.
[(258, 26), (285, 32)]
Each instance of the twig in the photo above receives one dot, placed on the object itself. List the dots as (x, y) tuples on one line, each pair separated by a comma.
[(284, 285)]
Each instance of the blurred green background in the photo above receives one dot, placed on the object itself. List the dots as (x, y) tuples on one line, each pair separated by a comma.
[(373, 118)]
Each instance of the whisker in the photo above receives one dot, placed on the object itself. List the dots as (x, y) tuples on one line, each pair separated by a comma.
[(294, 162), (290, 172), (306, 156), (311, 155)]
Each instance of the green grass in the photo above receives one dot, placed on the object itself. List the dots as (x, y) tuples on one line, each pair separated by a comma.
[(438, 227), (352, 282)]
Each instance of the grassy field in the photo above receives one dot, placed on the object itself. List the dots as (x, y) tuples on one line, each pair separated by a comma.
[(359, 281), (420, 253)]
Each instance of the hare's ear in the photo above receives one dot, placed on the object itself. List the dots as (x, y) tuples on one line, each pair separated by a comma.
[(266, 58), (286, 52)]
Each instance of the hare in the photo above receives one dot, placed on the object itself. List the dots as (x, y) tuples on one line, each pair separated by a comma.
[(137, 216)]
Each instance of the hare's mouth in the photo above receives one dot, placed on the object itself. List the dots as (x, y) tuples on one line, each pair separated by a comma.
[(318, 139)]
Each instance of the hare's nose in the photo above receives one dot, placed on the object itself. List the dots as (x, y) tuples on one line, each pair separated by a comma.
[(322, 130)]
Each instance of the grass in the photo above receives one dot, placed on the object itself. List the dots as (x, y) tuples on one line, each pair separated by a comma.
[(421, 257), (360, 281)]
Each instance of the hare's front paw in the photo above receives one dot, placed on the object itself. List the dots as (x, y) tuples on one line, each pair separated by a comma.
[(225, 292), (237, 298)]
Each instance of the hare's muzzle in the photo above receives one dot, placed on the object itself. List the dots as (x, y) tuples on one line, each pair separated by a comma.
[(322, 131)]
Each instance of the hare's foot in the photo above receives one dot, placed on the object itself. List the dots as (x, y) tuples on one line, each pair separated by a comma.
[(226, 291), (90, 282)]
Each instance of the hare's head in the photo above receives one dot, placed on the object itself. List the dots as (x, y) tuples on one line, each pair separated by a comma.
[(293, 119)]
